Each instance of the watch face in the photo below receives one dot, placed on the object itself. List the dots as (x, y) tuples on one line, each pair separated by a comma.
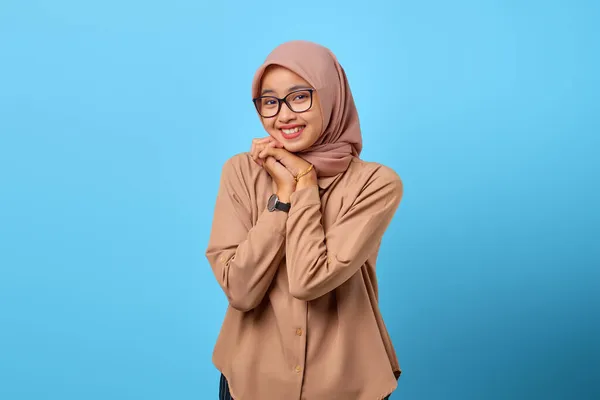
[(272, 202)]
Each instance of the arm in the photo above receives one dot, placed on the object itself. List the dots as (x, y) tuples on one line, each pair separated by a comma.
[(320, 261), (244, 258)]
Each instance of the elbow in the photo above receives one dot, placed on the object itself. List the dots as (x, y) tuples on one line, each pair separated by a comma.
[(239, 295), (302, 291), (243, 301), (305, 285), (242, 306)]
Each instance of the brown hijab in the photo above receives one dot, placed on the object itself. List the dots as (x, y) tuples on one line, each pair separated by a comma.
[(341, 138)]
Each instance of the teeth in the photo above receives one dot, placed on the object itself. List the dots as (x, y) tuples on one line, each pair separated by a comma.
[(290, 131)]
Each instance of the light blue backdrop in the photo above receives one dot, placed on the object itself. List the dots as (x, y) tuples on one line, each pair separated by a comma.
[(115, 119)]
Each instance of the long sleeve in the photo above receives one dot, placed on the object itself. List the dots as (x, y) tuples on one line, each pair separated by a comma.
[(243, 257), (320, 261)]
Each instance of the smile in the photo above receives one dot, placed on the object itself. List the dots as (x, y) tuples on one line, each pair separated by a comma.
[(293, 132)]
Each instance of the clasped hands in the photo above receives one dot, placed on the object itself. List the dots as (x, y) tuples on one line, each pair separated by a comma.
[(283, 166)]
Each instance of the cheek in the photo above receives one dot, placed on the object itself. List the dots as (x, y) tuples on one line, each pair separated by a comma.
[(316, 125), (268, 124)]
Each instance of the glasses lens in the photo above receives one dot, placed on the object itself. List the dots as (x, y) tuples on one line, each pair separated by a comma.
[(267, 106), (300, 101)]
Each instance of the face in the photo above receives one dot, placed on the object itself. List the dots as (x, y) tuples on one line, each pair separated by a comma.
[(296, 130)]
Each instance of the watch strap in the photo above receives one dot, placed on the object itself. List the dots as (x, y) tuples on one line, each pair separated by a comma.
[(283, 206)]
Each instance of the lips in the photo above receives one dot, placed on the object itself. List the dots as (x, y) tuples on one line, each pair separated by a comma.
[(291, 131)]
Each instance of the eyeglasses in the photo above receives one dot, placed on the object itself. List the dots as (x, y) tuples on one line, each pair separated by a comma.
[(298, 101)]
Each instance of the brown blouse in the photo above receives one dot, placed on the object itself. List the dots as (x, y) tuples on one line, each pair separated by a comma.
[(303, 320)]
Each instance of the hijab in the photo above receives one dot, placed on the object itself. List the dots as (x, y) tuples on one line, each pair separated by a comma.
[(341, 139)]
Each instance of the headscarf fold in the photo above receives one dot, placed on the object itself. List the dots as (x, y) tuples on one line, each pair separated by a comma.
[(341, 139)]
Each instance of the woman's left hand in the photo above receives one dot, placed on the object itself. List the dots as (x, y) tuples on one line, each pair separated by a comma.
[(296, 165)]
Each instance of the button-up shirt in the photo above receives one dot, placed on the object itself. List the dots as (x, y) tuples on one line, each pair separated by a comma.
[(303, 321)]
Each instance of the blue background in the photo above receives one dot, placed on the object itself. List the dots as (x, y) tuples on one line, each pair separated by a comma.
[(115, 119)]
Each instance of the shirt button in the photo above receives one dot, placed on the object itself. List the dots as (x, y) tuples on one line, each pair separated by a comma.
[(299, 331), (298, 369)]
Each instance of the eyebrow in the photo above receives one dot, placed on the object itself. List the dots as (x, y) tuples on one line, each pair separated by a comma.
[(295, 87)]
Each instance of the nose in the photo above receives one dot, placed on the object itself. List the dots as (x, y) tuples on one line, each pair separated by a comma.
[(285, 114)]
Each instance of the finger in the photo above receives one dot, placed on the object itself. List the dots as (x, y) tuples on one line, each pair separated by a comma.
[(278, 144), (259, 150), (254, 154), (270, 151), (275, 168), (279, 154), (256, 142), (292, 163), (258, 160)]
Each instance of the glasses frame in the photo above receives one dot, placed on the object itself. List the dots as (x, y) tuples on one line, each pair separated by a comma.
[(283, 100)]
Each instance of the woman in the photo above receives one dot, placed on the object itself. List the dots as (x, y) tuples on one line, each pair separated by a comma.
[(297, 228)]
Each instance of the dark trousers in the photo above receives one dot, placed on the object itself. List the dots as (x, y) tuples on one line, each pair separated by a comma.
[(224, 390)]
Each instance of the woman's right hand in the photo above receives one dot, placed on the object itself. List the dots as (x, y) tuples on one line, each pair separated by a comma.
[(284, 183)]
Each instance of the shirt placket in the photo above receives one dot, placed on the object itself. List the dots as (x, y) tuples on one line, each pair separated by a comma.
[(299, 333)]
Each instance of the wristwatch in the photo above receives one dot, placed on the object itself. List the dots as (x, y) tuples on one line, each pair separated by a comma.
[(275, 204)]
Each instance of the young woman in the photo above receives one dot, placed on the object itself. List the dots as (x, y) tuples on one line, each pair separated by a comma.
[(297, 227)]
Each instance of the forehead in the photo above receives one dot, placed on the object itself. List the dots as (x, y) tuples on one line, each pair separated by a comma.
[(281, 80)]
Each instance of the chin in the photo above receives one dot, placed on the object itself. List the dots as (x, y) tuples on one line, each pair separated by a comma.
[(294, 147)]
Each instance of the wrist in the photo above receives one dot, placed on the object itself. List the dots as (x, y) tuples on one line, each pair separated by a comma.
[(285, 194), (307, 181)]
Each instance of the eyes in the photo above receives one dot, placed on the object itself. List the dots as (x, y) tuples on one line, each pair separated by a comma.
[(294, 99), (297, 101), (300, 97)]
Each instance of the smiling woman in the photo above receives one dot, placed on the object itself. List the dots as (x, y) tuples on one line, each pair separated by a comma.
[(299, 123), (296, 232)]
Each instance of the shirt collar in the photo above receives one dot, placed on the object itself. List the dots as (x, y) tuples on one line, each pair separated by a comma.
[(325, 182)]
